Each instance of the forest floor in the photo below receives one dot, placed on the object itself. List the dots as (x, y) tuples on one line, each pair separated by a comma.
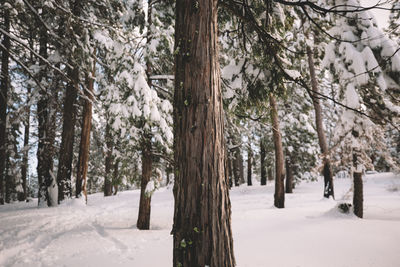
[(309, 232)]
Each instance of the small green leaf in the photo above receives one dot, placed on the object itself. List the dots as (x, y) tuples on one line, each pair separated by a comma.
[(196, 230)]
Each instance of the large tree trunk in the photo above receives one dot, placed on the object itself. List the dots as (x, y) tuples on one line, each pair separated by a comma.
[(46, 130), (289, 176), (328, 176), (279, 197), (262, 163), (67, 137), (5, 84), (143, 222), (24, 167), (202, 217), (69, 113), (84, 145), (249, 159), (108, 163)]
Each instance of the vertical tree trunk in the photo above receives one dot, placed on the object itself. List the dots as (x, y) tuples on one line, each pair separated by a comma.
[(5, 84), (262, 163), (289, 176), (358, 194), (230, 169), (115, 177), (358, 197), (279, 197), (249, 159), (238, 171), (46, 130), (24, 167), (84, 145), (67, 137), (108, 163), (143, 222), (202, 217), (328, 176)]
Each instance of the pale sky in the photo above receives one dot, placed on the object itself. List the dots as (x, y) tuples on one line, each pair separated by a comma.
[(381, 16)]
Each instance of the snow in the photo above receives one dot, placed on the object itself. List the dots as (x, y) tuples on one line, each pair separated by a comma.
[(309, 232)]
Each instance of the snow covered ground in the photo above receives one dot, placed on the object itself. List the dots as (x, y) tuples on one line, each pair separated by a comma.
[(309, 232)]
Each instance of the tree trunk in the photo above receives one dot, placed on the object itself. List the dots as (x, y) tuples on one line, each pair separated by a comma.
[(358, 197), (5, 84), (230, 169), (24, 167), (202, 217), (85, 135), (289, 176), (249, 159), (115, 177), (262, 163), (67, 137), (238, 171), (108, 163), (328, 176), (358, 194), (143, 222), (279, 197), (46, 130)]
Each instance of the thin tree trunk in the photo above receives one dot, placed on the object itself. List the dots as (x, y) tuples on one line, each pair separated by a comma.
[(5, 84), (262, 163), (115, 177), (279, 197), (289, 176), (230, 169), (108, 163), (328, 176), (202, 217), (24, 167), (358, 194), (85, 135), (249, 159), (238, 171), (143, 222)]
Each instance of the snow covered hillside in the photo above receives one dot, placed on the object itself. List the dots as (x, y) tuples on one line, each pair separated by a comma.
[(309, 232)]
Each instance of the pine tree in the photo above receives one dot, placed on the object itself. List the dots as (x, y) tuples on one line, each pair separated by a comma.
[(202, 207)]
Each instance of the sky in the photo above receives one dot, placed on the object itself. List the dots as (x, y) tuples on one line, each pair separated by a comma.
[(381, 16)]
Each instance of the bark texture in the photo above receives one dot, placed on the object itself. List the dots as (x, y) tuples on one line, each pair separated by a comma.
[(4, 85), (46, 128), (67, 137), (84, 145), (202, 217), (358, 196), (279, 196), (143, 222), (328, 176), (238, 171)]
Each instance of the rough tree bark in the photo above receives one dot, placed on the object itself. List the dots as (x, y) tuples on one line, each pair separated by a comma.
[(249, 160), (108, 163), (202, 216), (262, 163), (84, 146), (279, 196), (289, 176), (67, 136), (143, 222), (46, 128), (358, 194), (3, 101), (328, 176), (69, 115)]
